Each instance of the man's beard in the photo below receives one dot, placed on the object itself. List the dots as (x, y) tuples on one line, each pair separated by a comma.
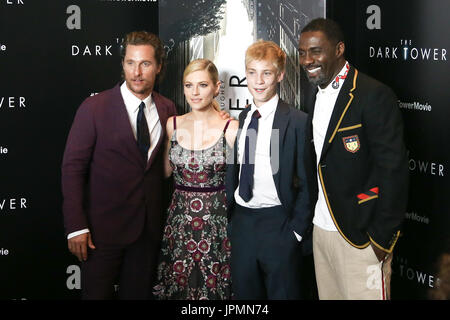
[(318, 80)]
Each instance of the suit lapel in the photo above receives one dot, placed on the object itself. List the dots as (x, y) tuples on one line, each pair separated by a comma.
[(242, 117), (280, 124), (236, 161), (162, 114), (341, 106), (123, 127), (310, 104)]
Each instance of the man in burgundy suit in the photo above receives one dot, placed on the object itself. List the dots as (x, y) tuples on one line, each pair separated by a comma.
[(112, 176)]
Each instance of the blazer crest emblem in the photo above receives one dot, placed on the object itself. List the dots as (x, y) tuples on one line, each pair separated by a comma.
[(351, 143)]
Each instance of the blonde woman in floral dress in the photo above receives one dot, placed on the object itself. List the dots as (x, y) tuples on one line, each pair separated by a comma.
[(195, 253)]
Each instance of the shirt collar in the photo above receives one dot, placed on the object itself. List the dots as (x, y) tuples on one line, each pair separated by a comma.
[(267, 108), (335, 85), (131, 101)]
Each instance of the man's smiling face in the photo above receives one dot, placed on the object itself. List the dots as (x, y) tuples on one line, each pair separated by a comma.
[(321, 59)]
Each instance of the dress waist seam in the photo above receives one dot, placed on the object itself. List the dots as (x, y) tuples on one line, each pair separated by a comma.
[(199, 189)]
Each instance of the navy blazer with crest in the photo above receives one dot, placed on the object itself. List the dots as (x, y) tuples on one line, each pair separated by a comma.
[(363, 167)]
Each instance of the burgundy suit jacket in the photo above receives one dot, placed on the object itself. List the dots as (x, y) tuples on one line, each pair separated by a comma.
[(107, 186)]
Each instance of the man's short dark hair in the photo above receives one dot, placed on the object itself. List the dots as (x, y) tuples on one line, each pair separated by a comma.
[(145, 38), (329, 27)]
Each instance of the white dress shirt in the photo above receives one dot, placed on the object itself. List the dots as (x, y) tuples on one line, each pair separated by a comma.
[(325, 101), (154, 125), (151, 115), (264, 191)]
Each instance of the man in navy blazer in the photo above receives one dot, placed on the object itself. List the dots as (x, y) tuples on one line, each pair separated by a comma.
[(357, 169), (112, 188), (266, 188)]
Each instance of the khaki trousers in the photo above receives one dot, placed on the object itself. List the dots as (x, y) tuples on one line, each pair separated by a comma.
[(344, 272)]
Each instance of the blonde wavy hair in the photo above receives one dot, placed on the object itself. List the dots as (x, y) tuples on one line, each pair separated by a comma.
[(204, 65)]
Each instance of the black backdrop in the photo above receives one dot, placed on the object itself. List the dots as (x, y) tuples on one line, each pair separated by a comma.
[(53, 54), (405, 44), (57, 54)]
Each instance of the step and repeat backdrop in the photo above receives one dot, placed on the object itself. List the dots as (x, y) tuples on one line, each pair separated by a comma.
[(54, 54), (221, 31), (405, 44)]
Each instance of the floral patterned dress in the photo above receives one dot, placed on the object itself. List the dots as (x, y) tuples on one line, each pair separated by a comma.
[(194, 262)]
